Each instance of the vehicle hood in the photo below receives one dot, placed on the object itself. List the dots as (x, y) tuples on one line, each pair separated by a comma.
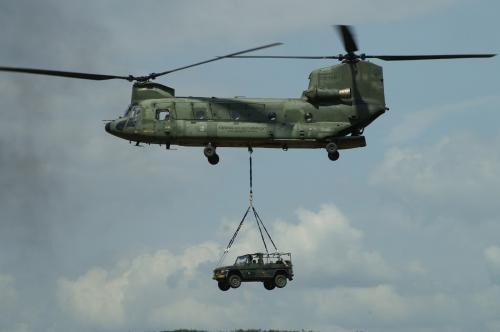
[(220, 268)]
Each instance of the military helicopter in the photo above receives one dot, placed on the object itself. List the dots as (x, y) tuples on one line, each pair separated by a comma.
[(339, 103)]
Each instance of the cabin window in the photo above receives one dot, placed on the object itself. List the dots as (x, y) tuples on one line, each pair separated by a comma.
[(200, 114), (271, 116), (163, 114), (235, 115), (308, 117)]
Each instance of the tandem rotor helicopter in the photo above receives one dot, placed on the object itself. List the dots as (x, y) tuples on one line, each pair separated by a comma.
[(340, 101)]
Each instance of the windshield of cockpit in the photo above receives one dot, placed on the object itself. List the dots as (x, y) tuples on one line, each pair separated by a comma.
[(131, 113)]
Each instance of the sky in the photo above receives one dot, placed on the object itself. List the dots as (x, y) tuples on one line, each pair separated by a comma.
[(99, 235)]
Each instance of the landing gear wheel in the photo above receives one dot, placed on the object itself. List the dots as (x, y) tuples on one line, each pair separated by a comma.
[(269, 284), (214, 160), (223, 285), (209, 151), (234, 281), (331, 147), (334, 156), (280, 280)]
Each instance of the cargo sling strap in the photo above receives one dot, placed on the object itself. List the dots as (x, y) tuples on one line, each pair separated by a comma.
[(258, 220)]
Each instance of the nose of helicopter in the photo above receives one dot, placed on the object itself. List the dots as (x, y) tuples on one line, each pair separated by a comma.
[(107, 127)]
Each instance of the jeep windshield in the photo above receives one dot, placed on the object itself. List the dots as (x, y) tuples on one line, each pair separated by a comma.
[(241, 260)]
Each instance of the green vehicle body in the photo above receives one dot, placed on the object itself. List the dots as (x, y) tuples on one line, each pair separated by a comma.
[(339, 103), (271, 269)]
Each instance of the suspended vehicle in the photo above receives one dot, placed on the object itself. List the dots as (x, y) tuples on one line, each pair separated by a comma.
[(272, 269), (332, 113)]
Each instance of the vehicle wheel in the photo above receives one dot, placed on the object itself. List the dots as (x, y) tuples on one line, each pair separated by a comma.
[(280, 280), (334, 156), (269, 284), (209, 151), (214, 160), (331, 147), (223, 285), (234, 281)]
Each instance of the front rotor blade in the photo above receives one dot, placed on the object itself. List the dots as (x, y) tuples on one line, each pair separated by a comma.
[(155, 75), (70, 74), (428, 57), (347, 38)]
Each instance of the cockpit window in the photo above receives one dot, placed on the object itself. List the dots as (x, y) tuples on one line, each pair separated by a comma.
[(127, 111), (163, 114), (136, 110), (132, 111), (132, 114)]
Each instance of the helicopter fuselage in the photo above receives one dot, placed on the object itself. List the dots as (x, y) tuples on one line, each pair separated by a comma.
[(338, 104)]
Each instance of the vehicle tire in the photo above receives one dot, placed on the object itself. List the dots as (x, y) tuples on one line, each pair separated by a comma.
[(223, 285), (269, 284), (214, 160), (331, 147), (209, 151), (280, 280), (334, 156), (234, 281)]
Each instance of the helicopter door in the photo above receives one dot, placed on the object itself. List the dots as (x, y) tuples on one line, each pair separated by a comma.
[(193, 119), (164, 112), (203, 117)]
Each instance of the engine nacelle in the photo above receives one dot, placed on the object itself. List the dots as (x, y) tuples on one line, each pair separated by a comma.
[(318, 94)]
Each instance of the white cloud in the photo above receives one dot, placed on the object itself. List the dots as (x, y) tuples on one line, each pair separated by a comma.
[(487, 303), (380, 302), (492, 258), (8, 293), (416, 123), (94, 298), (107, 298), (416, 267), (326, 249), (162, 289), (383, 307), (193, 311), (338, 280), (458, 168)]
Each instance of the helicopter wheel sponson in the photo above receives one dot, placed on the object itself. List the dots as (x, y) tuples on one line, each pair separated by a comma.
[(334, 156), (209, 151), (331, 148), (213, 160)]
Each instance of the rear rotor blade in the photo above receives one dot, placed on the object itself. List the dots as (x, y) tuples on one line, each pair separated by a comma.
[(428, 57), (347, 38), (85, 76), (155, 75), (284, 57)]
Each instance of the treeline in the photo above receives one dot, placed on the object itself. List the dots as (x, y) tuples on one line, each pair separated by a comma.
[(239, 330)]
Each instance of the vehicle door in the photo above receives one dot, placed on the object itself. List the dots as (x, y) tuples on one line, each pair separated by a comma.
[(257, 269), (203, 119), (248, 269), (164, 118)]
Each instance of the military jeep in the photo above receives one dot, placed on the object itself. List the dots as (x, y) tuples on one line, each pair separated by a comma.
[(273, 270)]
